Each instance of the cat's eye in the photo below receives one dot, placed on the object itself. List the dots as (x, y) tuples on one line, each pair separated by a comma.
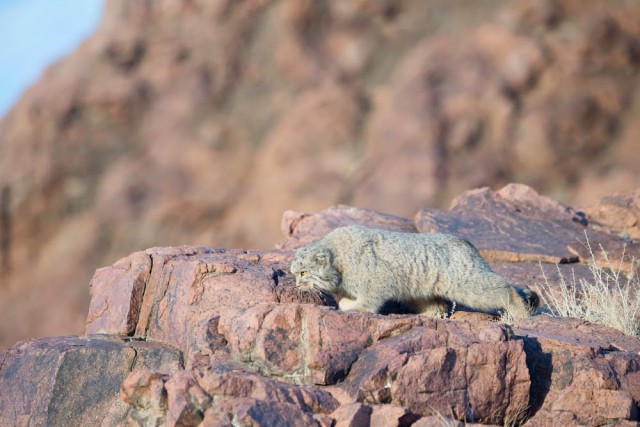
[(303, 273)]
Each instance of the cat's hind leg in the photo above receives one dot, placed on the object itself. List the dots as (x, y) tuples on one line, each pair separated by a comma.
[(435, 307)]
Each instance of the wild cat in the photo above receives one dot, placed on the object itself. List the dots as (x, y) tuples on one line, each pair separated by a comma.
[(365, 269)]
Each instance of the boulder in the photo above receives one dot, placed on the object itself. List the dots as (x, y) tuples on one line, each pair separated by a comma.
[(392, 415), (194, 335), (238, 308), (581, 374), (71, 380), (300, 228), (305, 344), (352, 415), (118, 290), (176, 295), (222, 395), (516, 224), (619, 213), (469, 372), (201, 122)]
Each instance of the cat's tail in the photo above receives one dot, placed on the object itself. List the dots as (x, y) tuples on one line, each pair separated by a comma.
[(530, 298), (523, 302)]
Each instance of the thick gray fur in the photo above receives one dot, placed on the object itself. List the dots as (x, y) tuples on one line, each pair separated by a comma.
[(365, 268)]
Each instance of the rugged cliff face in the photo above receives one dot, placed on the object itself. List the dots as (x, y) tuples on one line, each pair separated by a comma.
[(200, 122), (194, 335)]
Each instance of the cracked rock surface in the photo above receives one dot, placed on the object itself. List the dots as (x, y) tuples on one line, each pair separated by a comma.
[(193, 335)]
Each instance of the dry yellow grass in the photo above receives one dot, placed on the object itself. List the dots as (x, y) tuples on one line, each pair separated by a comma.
[(610, 297)]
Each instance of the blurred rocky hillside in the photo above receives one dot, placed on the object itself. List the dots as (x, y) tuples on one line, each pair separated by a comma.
[(200, 122)]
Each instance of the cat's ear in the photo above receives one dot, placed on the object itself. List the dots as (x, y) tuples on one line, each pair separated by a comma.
[(322, 257)]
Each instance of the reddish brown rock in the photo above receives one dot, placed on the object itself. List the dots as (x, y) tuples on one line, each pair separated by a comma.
[(144, 391), (438, 421), (474, 375), (391, 415), (533, 274), (250, 412), (505, 228), (442, 421), (190, 287), (202, 123), (578, 332), (62, 380), (581, 374), (305, 344), (237, 383), (299, 343), (118, 290), (300, 228), (233, 311), (186, 401), (353, 415), (223, 396), (619, 212), (516, 224)]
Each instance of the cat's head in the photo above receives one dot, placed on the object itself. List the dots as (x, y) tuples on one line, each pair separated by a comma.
[(314, 269)]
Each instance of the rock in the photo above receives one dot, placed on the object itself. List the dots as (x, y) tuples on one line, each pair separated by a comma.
[(298, 343), (257, 413), (186, 400), (450, 369), (505, 228), (222, 395), (116, 288), (205, 336), (239, 383), (353, 415), (391, 415), (191, 287), (544, 277), (62, 380), (619, 212), (438, 421), (301, 228), (579, 333), (203, 123), (145, 392), (441, 421), (305, 344), (515, 224), (581, 374), (257, 352), (533, 274)]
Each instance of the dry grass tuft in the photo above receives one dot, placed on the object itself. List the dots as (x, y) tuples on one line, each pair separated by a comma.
[(611, 297)]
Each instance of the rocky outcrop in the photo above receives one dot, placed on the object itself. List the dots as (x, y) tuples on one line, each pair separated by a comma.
[(222, 396), (301, 228), (178, 295), (71, 380), (581, 374), (478, 374), (195, 335), (200, 122), (618, 213), (517, 224)]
